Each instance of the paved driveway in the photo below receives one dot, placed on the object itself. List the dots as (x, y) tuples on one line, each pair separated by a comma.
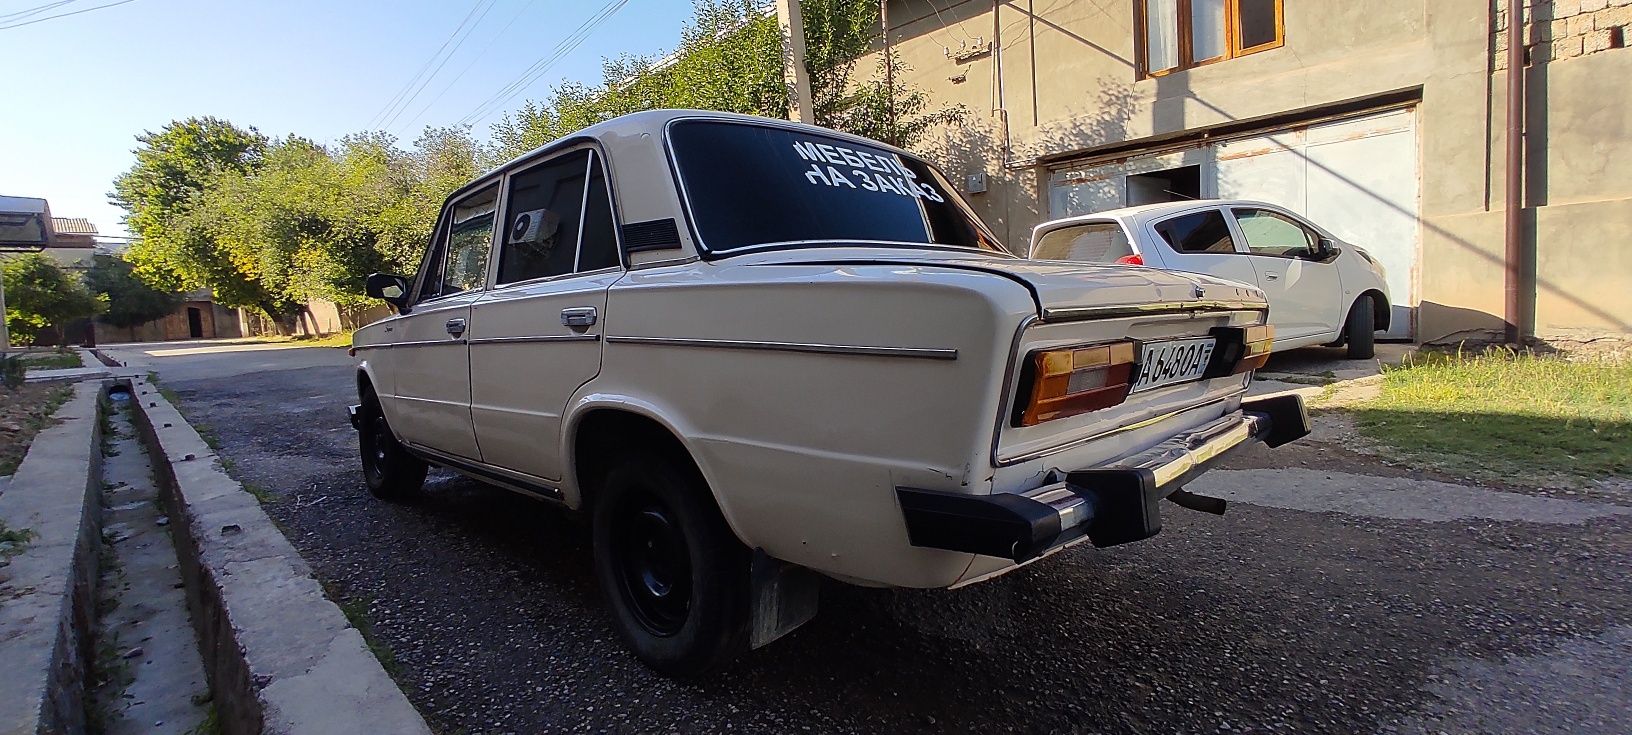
[(1339, 595)]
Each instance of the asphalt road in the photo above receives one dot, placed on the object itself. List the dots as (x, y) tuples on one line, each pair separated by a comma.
[(1339, 595)]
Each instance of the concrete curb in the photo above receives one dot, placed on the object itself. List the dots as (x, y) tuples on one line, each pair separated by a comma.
[(47, 592), (281, 657)]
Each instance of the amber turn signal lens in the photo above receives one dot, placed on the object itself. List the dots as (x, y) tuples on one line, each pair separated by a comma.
[(1074, 381), (1258, 342)]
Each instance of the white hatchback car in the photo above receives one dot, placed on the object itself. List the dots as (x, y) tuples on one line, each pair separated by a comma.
[(1321, 290)]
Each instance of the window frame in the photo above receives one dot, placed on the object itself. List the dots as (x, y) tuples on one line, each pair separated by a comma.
[(443, 232), (597, 157), (1186, 37)]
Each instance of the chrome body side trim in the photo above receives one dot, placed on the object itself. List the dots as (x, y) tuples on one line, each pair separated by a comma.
[(418, 343), (925, 353), (1117, 311), (539, 338), (1007, 392)]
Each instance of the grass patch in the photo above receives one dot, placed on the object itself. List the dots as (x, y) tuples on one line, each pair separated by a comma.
[(53, 360), (23, 413), (1501, 415), (356, 611), (337, 339), (14, 540)]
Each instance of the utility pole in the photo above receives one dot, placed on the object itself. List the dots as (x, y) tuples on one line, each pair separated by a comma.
[(792, 23), (1520, 289)]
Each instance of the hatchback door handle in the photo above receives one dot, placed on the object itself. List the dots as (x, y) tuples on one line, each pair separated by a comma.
[(456, 327), (579, 316), (1270, 276)]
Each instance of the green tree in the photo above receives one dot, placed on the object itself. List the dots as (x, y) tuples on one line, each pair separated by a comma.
[(41, 298), (130, 300), (730, 59)]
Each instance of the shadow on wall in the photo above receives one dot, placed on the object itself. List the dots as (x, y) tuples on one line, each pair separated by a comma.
[(1017, 197)]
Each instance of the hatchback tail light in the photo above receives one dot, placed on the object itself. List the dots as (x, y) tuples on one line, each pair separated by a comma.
[(1135, 259)]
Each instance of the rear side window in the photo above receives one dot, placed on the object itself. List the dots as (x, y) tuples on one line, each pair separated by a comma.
[(541, 234), (1093, 242), (1200, 232)]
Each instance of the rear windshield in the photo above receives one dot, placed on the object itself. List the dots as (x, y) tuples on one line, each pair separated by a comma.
[(1092, 242), (751, 185)]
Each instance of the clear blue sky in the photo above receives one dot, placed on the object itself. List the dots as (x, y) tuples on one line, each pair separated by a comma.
[(80, 88)]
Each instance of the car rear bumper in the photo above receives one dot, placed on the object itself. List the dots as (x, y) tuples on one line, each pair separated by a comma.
[(1115, 503)]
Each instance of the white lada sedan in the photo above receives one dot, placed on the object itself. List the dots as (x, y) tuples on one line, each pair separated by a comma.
[(1321, 290), (753, 351)]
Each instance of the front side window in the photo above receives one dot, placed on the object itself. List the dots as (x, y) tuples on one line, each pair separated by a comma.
[(752, 185), (1180, 34), (1198, 232), (1274, 234), (1092, 242), (469, 239)]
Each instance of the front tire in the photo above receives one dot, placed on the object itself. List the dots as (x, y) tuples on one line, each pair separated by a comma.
[(389, 470), (674, 577), (1361, 330)]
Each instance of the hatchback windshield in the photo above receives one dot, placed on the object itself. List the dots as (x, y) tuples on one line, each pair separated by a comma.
[(751, 185)]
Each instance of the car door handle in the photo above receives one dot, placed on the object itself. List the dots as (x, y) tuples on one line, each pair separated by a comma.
[(579, 316), (1271, 276), (456, 327)]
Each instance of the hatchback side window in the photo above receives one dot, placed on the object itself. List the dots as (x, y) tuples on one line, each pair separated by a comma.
[(1198, 232), (1274, 234), (1093, 242), (460, 263)]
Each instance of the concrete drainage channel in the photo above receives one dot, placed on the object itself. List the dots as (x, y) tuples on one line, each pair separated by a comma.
[(265, 651)]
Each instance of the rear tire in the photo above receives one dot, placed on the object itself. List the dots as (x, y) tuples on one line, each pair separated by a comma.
[(389, 470), (674, 576), (1361, 330)]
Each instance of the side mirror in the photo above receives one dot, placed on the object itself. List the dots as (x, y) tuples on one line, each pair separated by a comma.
[(388, 288)]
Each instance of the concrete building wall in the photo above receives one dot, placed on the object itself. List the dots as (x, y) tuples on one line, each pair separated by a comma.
[(1061, 82)]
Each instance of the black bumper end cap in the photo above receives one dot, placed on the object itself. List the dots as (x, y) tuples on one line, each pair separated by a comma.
[(1003, 525), (1288, 418)]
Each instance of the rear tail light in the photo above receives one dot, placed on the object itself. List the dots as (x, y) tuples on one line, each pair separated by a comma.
[(1135, 259), (1077, 380), (1257, 342)]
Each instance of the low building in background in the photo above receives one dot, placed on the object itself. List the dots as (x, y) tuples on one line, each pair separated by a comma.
[(1381, 119)]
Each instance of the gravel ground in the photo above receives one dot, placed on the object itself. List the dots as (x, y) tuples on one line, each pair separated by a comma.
[(1265, 620)]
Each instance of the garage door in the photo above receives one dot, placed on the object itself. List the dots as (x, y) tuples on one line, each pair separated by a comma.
[(1358, 178)]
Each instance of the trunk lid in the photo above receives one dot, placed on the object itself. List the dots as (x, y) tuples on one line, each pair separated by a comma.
[(1063, 291)]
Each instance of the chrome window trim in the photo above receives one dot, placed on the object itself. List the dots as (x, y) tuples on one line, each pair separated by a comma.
[(923, 353), (558, 277)]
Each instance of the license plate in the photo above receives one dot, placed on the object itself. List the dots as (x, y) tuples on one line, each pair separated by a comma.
[(1176, 361)]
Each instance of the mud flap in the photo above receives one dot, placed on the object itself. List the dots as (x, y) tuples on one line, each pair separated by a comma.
[(782, 597)]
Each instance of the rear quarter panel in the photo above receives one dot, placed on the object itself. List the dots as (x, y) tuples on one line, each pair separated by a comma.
[(803, 450)]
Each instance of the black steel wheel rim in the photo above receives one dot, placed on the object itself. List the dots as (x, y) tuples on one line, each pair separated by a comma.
[(653, 564), (374, 445)]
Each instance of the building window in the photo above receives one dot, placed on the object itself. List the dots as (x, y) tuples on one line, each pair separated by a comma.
[(1180, 34)]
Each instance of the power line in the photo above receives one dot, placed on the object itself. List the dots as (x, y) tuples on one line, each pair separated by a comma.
[(532, 73), (63, 15), (472, 63), (392, 103), (438, 70), (26, 12)]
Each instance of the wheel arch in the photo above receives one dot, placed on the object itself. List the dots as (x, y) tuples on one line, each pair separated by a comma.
[(1381, 310), (601, 426)]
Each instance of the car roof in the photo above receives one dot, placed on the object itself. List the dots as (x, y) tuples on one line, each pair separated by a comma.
[(1147, 212)]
